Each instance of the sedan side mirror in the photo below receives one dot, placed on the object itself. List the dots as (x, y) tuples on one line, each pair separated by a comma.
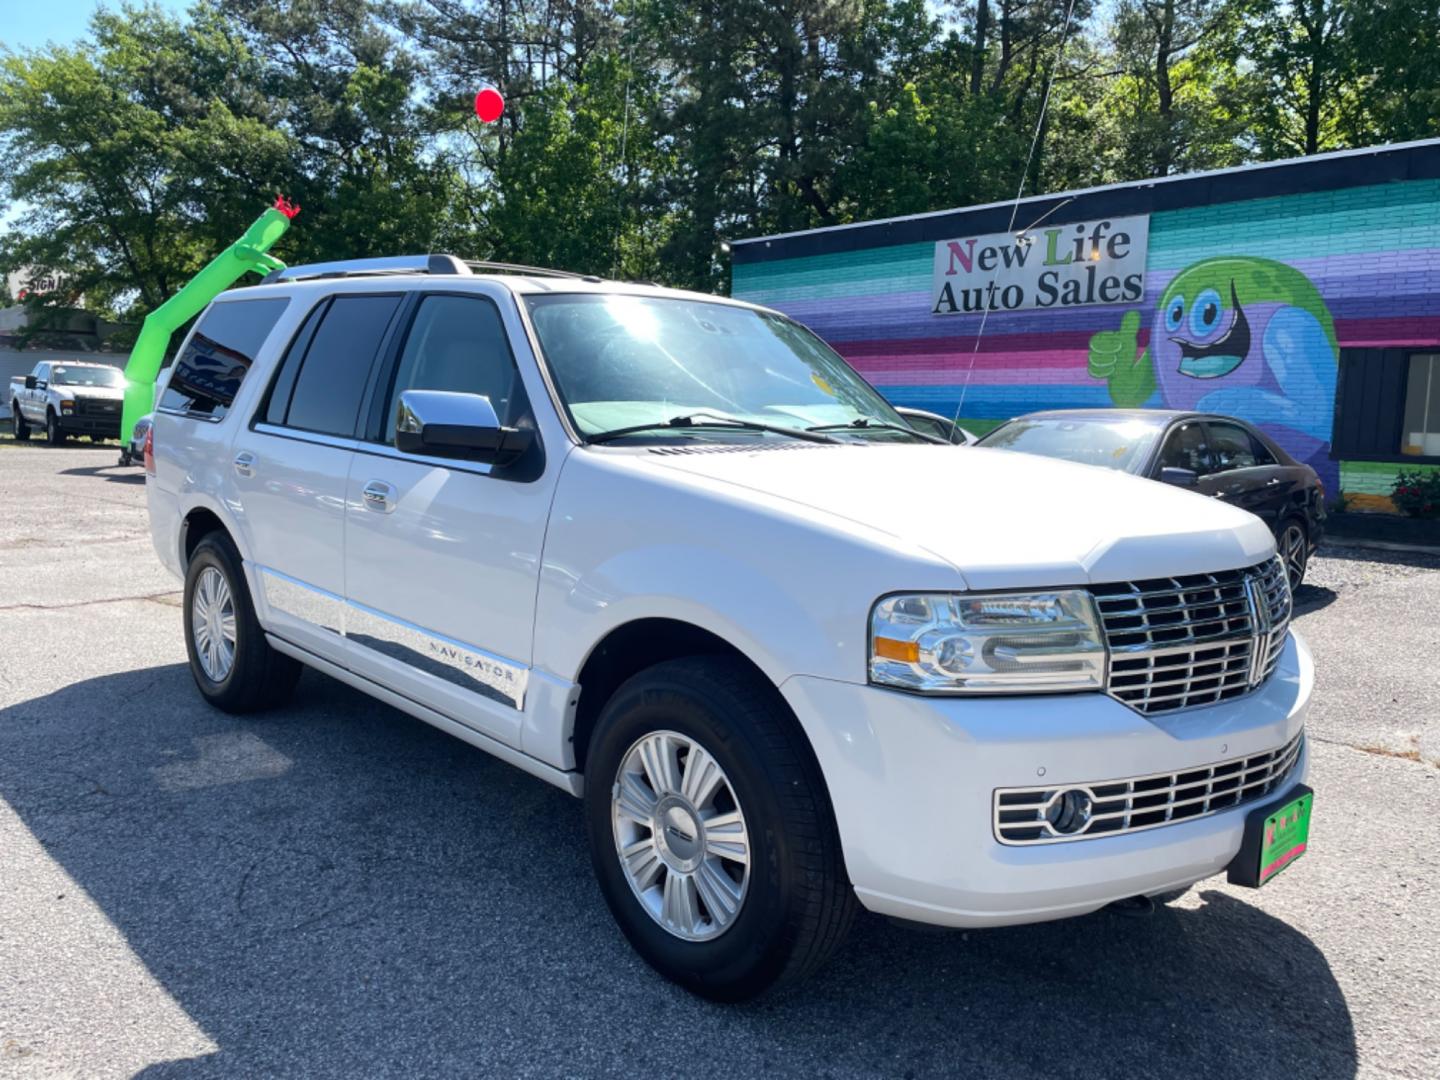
[(30, 382), (932, 424), (1170, 474), (444, 423)]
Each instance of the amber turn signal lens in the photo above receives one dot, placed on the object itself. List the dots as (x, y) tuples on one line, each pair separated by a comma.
[(890, 649)]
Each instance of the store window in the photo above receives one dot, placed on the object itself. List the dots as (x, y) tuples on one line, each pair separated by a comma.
[(1420, 433)]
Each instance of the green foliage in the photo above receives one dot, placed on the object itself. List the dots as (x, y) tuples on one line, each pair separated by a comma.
[(640, 135), (1417, 492)]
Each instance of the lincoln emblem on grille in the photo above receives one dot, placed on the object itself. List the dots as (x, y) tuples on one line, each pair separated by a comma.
[(1262, 621)]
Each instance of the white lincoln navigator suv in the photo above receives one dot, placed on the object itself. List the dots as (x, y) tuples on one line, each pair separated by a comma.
[(670, 553)]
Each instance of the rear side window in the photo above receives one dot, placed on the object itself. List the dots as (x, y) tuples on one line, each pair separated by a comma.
[(1231, 447), (329, 366), (209, 370)]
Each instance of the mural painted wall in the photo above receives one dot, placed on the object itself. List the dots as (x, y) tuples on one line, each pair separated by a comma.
[(1245, 309)]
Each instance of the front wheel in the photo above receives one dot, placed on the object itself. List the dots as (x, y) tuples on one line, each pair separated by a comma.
[(1294, 545), (18, 424), (711, 831), (235, 668), (54, 434)]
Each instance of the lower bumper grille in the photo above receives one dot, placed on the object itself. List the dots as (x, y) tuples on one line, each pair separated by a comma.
[(1025, 815)]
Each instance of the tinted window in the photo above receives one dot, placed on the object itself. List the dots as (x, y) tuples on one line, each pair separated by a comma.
[(459, 343), (209, 370), (1231, 447), (1263, 454), (337, 364), (1186, 449), (284, 385)]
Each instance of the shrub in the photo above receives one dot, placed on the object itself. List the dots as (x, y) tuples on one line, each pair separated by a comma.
[(1417, 493)]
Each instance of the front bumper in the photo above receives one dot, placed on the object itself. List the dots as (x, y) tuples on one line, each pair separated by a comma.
[(912, 779), (103, 424)]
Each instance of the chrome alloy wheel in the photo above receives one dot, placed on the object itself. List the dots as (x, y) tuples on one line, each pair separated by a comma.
[(1294, 550), (212, 623), (680, 835)]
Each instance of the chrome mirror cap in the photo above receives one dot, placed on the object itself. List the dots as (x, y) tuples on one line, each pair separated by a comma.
[(446, 423)]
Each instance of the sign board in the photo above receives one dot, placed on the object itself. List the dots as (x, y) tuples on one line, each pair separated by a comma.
[(1058, 266), (27, 282)]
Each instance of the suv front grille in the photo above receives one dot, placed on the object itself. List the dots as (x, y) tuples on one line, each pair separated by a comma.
[(1143, 802), (1194, 640)]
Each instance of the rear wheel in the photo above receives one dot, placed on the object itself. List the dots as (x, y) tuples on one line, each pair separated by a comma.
[(18, 424), (54, 435), (1294, 545), (711, 831), (235, 668)]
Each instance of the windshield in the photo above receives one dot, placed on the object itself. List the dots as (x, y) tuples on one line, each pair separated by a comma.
[(87, 376), (1116, 444), (620, 361)]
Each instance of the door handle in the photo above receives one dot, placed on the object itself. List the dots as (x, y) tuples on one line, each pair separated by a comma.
[(379, 496), (245, 463)]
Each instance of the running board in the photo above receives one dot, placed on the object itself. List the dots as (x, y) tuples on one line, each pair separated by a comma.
[(572, 782)]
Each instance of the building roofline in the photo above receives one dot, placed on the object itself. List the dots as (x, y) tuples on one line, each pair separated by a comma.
[(1339, 169)]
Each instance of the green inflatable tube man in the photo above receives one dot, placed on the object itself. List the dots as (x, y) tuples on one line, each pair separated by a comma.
[(247, 253)]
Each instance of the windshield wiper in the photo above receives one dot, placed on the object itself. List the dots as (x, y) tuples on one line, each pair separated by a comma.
[(869, 423), (710, 420)]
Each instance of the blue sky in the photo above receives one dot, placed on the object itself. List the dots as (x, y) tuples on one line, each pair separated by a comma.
[(28, 24)]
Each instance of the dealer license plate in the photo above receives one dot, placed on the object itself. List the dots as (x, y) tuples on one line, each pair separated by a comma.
[(1275, 837)]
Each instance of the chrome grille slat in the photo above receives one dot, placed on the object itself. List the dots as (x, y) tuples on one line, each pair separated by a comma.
[(1198, 639), (1146, 802)]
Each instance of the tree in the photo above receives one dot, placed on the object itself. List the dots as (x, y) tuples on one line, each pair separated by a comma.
[(1397, 67), (564, 195), (1303, 61)]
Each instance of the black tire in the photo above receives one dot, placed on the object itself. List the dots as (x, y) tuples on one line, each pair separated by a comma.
[(18, 425), (259, 677), (1296, 562), (798, 904), (54, 435)]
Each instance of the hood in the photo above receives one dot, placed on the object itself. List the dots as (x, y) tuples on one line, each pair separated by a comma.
[(1003, 519)]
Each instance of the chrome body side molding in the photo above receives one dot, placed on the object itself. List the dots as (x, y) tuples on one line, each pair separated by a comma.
[(445, 658), (302, 601)]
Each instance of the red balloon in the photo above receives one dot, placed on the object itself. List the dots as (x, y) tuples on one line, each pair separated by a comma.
[(489, 105)]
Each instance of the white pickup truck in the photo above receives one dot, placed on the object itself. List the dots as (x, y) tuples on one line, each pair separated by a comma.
[(671, 554), (70, 397)]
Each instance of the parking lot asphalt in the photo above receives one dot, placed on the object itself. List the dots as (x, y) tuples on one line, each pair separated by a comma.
[(335, 889)]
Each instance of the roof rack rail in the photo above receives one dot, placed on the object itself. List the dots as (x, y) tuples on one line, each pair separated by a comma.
[(534, 271), (411, 264)]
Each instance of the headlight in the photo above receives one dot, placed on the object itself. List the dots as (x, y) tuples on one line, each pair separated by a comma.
[(988, 643), (67, 405)]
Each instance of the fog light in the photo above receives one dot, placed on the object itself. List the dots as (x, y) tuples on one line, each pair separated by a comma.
[(1069, 811)]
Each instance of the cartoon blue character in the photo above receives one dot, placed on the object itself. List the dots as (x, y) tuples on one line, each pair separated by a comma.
[(1236, 335)]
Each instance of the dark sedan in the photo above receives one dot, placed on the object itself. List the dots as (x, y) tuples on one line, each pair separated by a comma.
[(1216, 455)]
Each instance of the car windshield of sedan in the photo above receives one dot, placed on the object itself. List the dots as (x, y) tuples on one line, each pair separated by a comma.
[(1122, 444), (623, 361), (87, 376)]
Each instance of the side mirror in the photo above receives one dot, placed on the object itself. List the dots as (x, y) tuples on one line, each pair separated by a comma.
[(1179, 477), (941, 427), (30, 382), (444, 423)]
